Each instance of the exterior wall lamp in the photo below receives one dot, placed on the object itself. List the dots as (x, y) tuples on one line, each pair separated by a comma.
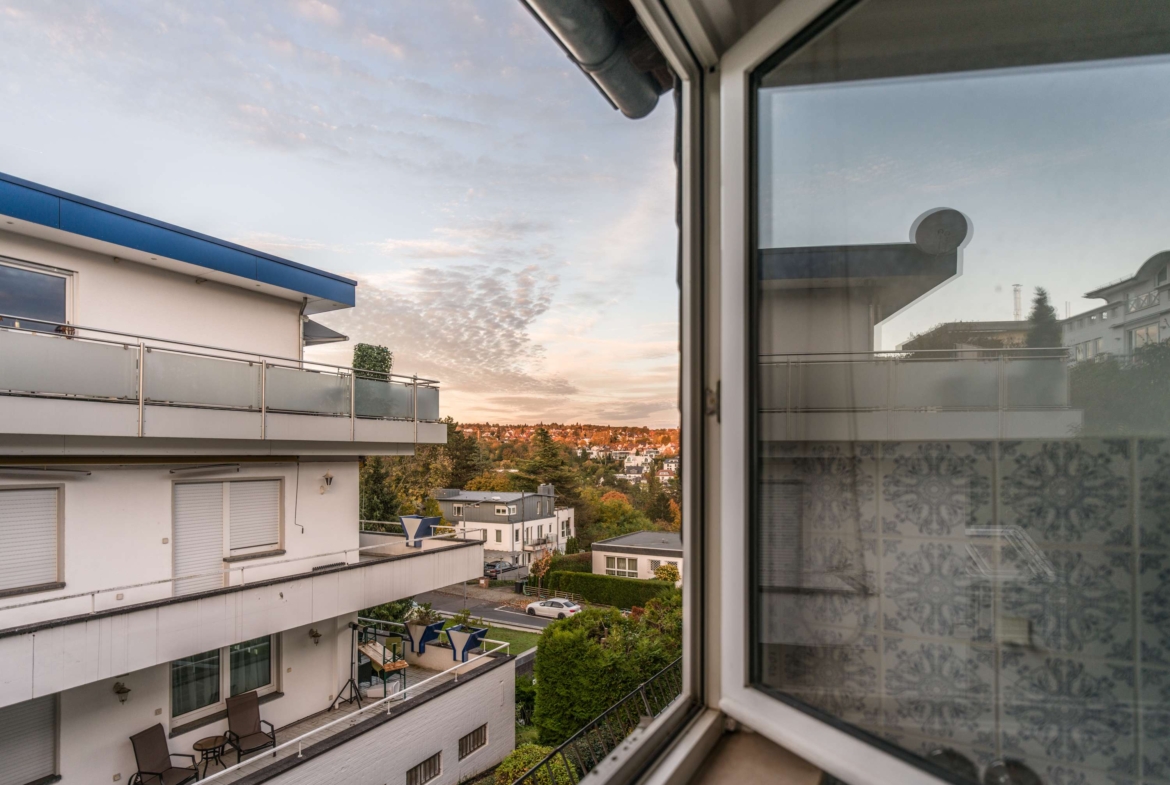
[(328, 478), (122, 691), (316, 636)]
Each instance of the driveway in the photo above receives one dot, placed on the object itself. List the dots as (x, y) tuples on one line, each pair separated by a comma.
[(488, 610)]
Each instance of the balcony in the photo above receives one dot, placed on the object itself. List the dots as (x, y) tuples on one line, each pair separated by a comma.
[(540, 543), (964, 394), (1140, 302), (83, 382), (51, 645), (381, 723)]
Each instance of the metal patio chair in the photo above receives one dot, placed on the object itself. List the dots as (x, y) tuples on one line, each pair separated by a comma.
[(245, 731), (153, 757)]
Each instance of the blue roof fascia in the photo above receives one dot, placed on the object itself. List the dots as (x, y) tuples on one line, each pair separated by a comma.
[(49, 207)]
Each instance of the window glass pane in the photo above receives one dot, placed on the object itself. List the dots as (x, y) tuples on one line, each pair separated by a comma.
[(251, 663), (194, 682), (960, 547), (24, 293)]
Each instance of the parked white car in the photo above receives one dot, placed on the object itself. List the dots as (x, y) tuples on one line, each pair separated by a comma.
[(557, 609)]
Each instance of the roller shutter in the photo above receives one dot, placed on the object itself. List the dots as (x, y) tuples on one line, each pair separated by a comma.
[(255, 513), (28, 741), (198, 546), (28, 537)]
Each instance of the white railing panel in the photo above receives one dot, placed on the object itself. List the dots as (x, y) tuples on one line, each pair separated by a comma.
[(946, 384), (1036, 382), (840, 385), (294, 390), (67, 366), (201, 381), (428, 403)]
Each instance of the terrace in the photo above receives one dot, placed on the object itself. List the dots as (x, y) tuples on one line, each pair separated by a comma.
[(72, 381)]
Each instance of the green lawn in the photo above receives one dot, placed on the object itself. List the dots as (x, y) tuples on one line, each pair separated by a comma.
[(517, 641)]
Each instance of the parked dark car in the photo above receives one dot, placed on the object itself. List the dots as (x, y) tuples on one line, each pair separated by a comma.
[(493, 569)]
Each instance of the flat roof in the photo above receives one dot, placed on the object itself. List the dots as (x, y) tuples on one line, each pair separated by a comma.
[(456, 495), (38, 204), (663, 541)]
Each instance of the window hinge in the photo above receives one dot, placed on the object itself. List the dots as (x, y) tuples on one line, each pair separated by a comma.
[(712, 402)]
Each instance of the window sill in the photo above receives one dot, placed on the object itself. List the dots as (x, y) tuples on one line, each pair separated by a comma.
[(257, 555), (187, 727), (32, 589)]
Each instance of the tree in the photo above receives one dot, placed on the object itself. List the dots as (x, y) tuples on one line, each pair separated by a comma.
[(390, 611), (616, 517), (539, 566), (371, 357), (1124, 398), (377, 501), (499, 482), (667, 572), (546, 465), (586, 663), (1043, 327), (468, 460)]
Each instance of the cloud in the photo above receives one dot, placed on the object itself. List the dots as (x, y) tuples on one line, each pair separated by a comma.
[(317, 11), (467, 325)]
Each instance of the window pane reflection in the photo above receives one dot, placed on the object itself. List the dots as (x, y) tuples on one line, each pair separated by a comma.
[(194, 682), (962, 395), (251, 664)]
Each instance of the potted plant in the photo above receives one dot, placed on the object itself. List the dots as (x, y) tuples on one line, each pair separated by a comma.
[(423, 625)]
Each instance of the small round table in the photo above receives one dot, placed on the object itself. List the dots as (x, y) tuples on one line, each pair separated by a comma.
[(210, 749)]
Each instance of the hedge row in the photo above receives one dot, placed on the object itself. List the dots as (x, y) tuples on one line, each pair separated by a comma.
[(577, 562), (608, 589)]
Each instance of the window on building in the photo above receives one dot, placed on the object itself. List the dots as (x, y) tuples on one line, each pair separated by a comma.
[(457, 510), (501, 509), (28, 741), (34, 294), (1143, 336), (655, 564), (1097, 346), (499, 535), (565, 527), (201, 683), (30, 538), (426, 771), (511, 509), (517, 537), (621, 566), (473, 741), (212, 520), (1104, 315), (540, 506), (1080, 351), (1162, 275)]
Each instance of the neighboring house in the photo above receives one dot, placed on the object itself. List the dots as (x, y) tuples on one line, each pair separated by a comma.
[(599, 453), (971, 335), (670, 465), (651, 452), (620, 455), (517, 525), (1136, 313), (637, 555), (181, 524), (638, 461), (664, 475)]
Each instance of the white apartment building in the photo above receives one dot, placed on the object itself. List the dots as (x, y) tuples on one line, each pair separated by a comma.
[(1136, 313), (517, 526), (179, 513)]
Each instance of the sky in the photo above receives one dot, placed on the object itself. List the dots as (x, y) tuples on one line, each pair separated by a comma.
[(1063, 171), (512, 235)]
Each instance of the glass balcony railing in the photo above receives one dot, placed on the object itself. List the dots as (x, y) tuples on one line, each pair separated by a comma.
[(101, 365)]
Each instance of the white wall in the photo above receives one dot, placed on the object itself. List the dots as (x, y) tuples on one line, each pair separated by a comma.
[(122, 295), (117, 518), (644, 571), (383, 755)]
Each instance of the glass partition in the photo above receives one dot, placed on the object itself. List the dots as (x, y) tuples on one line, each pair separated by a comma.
[(294, 390), (961, 470), (201, 381), (59, 366)]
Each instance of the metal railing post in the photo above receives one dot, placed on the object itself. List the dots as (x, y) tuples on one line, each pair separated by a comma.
[(263, 397), (414, 405), (352, 408), (141, 385)]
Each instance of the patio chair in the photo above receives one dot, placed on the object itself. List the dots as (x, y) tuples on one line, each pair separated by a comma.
[(153, 757), (245, 731)]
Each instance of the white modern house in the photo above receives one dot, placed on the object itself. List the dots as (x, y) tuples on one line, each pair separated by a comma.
[(515, 525), (638, 554), (179, 514), (1136, 313)]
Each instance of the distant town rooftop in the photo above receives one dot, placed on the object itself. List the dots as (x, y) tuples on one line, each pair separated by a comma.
[(666, 542)]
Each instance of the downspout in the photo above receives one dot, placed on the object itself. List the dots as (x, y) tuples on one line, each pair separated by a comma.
[(301, 332), (591, 38)]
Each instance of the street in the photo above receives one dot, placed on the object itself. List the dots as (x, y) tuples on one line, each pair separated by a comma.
[(488, 610)]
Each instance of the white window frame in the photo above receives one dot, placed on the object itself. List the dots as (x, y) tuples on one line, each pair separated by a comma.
[(516, 533), (841, 754), (225, 682), (418, 768), (499, 535), (511, 509), (473, 750), (70, 277), (228, 551), (457, 509), (57, 585), (501, 509), (621, 566)]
